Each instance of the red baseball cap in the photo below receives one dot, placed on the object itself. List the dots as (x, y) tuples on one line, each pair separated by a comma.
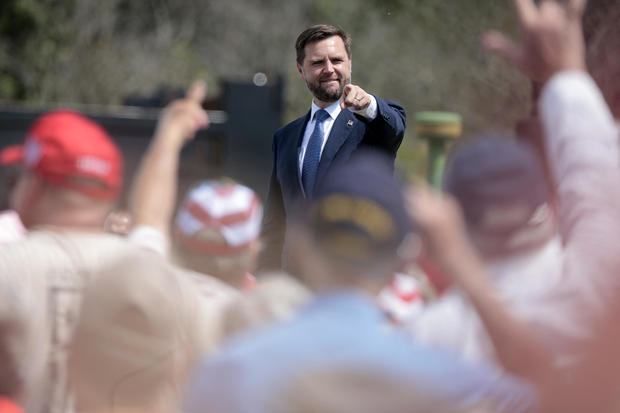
[(11, 155), (69, 150)]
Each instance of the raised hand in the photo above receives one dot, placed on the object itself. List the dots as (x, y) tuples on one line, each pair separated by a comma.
[(153, 194), (354, 97), (551, 38), (440, 223), (182, 118)]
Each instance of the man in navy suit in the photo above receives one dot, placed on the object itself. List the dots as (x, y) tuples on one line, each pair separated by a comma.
[(343, 118)]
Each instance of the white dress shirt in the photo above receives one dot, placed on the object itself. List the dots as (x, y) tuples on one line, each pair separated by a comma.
[(333, 110)]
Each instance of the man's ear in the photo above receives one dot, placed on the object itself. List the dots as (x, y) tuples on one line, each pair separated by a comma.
[(301, 71)]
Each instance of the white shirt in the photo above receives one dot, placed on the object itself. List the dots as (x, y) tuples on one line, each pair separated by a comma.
[(11, 227), (151, 239), (333, 110), (523, 284)]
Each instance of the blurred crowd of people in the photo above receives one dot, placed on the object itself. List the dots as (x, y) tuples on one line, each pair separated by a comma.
[(169, 305)]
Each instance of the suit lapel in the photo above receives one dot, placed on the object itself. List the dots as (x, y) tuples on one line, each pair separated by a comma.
[(291, 154), (342, 128)]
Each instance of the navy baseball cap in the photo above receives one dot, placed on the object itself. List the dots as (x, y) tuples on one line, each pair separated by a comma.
[(502, 190), (358, 211)]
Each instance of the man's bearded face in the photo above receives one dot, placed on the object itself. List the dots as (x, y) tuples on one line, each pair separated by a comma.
[(326, 69)]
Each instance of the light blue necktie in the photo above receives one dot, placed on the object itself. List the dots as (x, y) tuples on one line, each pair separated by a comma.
[(313, 153)]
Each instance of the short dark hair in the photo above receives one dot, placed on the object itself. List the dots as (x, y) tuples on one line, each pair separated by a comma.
[(317, 33)]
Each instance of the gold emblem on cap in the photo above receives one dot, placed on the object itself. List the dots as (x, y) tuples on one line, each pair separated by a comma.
[(363, 213)]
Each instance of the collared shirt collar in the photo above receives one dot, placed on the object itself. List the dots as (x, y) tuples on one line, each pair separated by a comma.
[(333, 110)]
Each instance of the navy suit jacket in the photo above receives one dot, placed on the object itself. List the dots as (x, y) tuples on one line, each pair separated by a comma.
[(349, 133)]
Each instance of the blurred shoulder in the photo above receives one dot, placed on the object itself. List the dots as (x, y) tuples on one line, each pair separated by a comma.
[(204, 300), (64, 254), (207, 286)]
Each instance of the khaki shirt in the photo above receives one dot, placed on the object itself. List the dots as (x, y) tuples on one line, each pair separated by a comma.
[(207, 298), (55, 267)]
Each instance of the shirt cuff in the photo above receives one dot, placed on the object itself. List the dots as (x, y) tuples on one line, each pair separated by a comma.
[(151, 239), (371, 110)]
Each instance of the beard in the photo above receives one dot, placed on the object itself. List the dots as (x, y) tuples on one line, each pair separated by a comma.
[(326, 94)]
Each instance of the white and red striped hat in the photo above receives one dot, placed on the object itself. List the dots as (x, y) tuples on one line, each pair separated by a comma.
[(230, 209)]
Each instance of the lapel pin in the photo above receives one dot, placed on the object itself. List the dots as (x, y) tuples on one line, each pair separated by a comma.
[(350, 123)]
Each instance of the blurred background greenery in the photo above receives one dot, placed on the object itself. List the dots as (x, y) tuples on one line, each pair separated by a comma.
[(424, 54)]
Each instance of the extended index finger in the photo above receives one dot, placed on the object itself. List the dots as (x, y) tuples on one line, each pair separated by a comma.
[(526, 11), (346, 100), (346, 90), (197, 91)]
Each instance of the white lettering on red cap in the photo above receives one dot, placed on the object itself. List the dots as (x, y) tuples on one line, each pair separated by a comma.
[(92, 165)]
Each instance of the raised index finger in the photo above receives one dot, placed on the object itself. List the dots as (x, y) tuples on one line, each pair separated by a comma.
[(347, 89), (197, 91), (526, 11)]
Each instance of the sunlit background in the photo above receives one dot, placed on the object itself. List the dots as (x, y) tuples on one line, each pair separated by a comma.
[(425, 54)]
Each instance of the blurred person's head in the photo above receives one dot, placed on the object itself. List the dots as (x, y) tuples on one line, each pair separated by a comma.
[(356, 233), (217, 230), (324, 61), (131, 348), (71, 172), (276, 298), (502, 190)]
